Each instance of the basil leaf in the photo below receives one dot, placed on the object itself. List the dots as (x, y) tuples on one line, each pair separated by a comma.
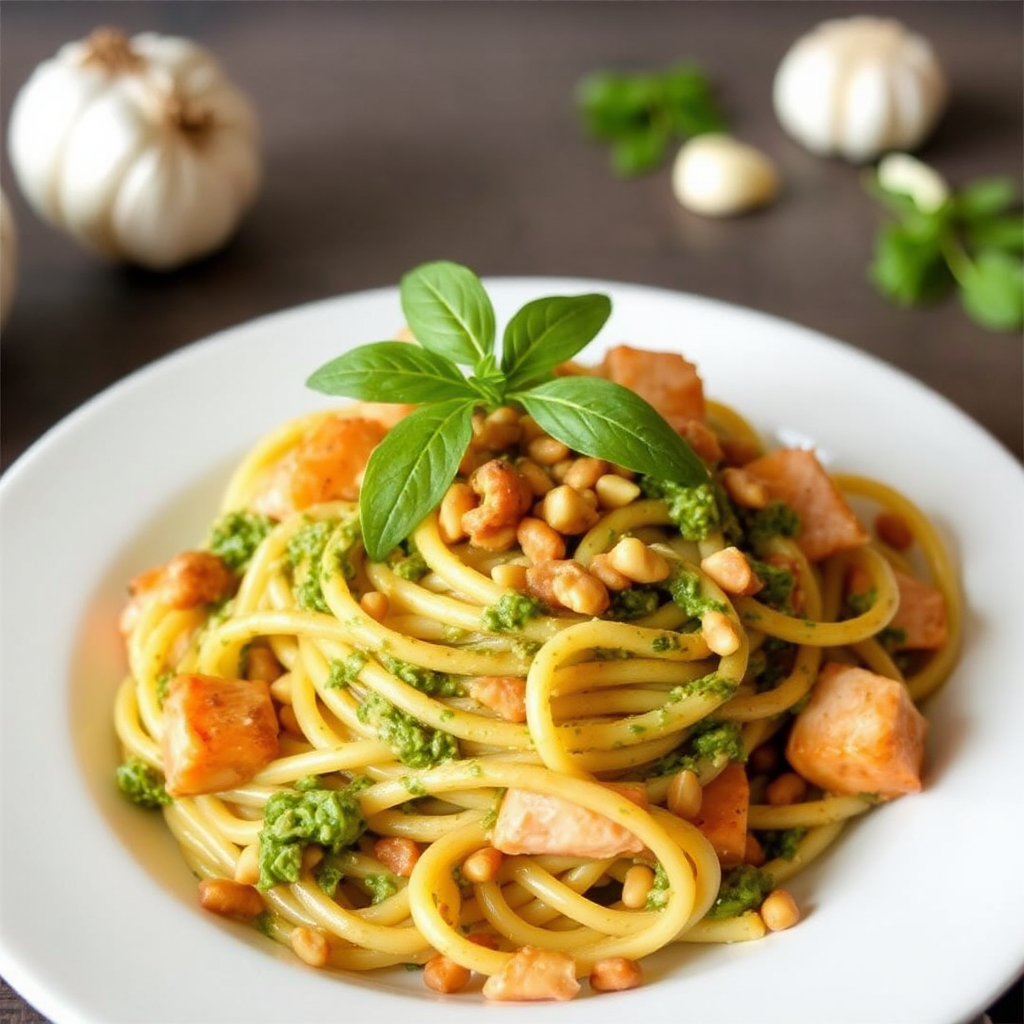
[(391, 371), (409, 472), (992, 290), (448, 311), (547, 332), (608, 421)]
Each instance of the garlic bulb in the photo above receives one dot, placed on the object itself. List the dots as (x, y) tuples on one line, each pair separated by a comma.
[(141, 149), (858, 87), (8, 258), (717, 176)]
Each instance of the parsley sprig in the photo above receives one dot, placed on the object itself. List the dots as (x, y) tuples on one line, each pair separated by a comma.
[(971, 242), (640, 114), (452, 318)]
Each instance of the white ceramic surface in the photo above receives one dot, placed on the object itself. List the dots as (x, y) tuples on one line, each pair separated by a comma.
[(917, 915)]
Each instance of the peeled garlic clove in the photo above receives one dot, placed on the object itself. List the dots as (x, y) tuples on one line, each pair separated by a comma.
[(858, 87), (718, 176), (8, 259), (899, 172)]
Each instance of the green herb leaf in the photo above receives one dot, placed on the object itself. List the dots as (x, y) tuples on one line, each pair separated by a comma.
[(392, 371), (969, 242), (985, 197), (907, 267), (448, 311), (992, 290), (638, 152), (999, 233), (639, 114), (410, 470), (547, 332), (600, 418)]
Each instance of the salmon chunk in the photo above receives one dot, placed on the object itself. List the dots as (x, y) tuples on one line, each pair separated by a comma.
[(666, 380), (326, 465), (533, 974), (827, 523), (218, 733), (920, 617), (860, 733), (723, 814), (504, 694), (535, 823)]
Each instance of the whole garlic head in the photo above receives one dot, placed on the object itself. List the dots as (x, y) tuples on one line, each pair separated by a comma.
[(718, 176), (858, 87), (8, 258), (141, 149)]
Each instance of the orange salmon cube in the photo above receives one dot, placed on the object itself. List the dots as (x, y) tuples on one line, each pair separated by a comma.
[(327, 465), (723, 814), (218, 733), (921, 616), (827, 523), (665, 379), (535, 823), (860, 733)]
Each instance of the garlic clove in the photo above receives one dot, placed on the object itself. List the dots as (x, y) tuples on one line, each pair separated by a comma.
[(716, 175), (906, 175)]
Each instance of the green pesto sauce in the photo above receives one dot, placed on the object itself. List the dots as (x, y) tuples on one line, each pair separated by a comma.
[(776, 519), (141, 784), (423, 679), (343, 672), (693, 510), (305, 552), (413, 743), (657, 896), (685, 589), (781, 842), (381, 886), (633, 603), (329, 874), (510, 612), (742, 888), (711, 685), (709, 741), (665, 642), (407, 562), (235, 536), (295, 819), (779, 583)]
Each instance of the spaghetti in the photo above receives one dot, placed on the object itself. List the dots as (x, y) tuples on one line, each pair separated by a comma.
[(630, 678)]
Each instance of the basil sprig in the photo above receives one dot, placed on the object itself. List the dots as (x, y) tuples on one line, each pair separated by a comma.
[(452, 318)]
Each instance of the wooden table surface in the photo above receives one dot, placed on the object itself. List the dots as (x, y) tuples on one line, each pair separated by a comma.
[(400, 132)]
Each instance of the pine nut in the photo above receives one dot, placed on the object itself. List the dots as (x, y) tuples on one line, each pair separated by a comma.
[(614, 491), (779, 910), (685, 794), (457, 501), (310, 945), (719, 633), (636, 886), (744, 489)]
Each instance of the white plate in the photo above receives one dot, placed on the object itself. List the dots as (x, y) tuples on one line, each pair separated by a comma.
[(917, 915)]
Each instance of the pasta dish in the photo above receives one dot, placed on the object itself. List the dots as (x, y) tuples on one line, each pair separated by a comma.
[(576, 714)]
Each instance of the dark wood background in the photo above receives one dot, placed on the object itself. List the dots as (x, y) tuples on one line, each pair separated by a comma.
[(400, 132)]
